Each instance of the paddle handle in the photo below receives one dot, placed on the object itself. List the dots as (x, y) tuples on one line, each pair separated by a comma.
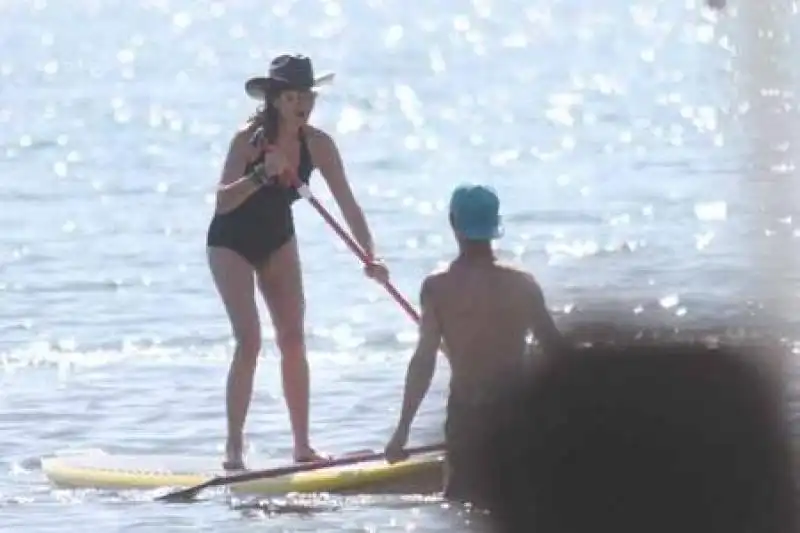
[(305, 192)]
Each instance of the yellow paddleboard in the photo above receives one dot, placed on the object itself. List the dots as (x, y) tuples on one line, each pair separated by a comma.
[(100, 470)]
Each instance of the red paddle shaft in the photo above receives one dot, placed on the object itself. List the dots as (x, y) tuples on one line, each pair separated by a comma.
[(305, 192)]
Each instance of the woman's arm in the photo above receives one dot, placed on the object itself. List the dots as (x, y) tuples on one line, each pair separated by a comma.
[(234, 188), (329, 162)]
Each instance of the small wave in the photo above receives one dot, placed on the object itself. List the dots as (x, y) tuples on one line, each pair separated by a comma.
[(67, 355), (108, 285), (30, 143), (306, 505), (588, 248)]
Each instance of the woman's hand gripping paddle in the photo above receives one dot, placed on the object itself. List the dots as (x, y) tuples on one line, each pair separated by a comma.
[(230, 479)]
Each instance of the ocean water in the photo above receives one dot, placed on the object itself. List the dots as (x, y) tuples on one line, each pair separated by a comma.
[(645, 154)]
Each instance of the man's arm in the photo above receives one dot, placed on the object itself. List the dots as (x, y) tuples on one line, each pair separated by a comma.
[(422, 365), (542, 324)]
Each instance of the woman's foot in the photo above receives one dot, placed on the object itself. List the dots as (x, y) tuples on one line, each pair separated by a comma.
[(234, 459), (309, 455), (233, 464)]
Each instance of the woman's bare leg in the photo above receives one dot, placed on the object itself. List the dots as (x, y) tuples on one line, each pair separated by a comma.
[(282, 287), (233, 277)]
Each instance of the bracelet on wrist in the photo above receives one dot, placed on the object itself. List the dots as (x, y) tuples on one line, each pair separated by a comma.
[(258, 176)]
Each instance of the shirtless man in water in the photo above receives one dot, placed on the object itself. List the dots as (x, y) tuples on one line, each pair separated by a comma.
[(483, 310)]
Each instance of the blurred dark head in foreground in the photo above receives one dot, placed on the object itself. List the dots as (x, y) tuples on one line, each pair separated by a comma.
[(646, 437)]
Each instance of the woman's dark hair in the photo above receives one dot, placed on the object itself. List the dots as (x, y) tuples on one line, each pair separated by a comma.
[(266, 116)]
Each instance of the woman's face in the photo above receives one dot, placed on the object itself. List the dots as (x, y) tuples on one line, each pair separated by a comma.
[(295, 106)]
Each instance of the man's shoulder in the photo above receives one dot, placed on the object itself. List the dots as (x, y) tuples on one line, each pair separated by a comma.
[(441, 271), (515, 270), (522, 279), (434, 277)]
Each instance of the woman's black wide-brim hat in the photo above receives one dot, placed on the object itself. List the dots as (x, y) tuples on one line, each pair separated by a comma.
[(291, 72)]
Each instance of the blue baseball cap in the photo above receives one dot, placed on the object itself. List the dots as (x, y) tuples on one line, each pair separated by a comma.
[(475, 211)]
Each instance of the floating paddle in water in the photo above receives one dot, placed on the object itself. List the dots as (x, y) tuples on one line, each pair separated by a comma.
[(230, 479)]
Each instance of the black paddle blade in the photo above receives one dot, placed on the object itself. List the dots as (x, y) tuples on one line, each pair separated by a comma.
[(178, 496)]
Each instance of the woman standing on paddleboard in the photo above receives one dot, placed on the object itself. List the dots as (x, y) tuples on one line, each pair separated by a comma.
[(252, 238)]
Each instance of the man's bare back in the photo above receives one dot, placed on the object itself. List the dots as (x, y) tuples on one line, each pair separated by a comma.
[(486, 312)]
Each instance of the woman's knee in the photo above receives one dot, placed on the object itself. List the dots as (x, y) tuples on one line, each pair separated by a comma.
[(248, 344), (290, 335), (288, 319)]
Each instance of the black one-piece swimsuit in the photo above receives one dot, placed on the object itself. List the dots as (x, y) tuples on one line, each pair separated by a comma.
[(263, 223)]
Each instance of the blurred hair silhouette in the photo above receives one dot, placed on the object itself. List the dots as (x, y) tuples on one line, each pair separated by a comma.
[(642, 437)]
